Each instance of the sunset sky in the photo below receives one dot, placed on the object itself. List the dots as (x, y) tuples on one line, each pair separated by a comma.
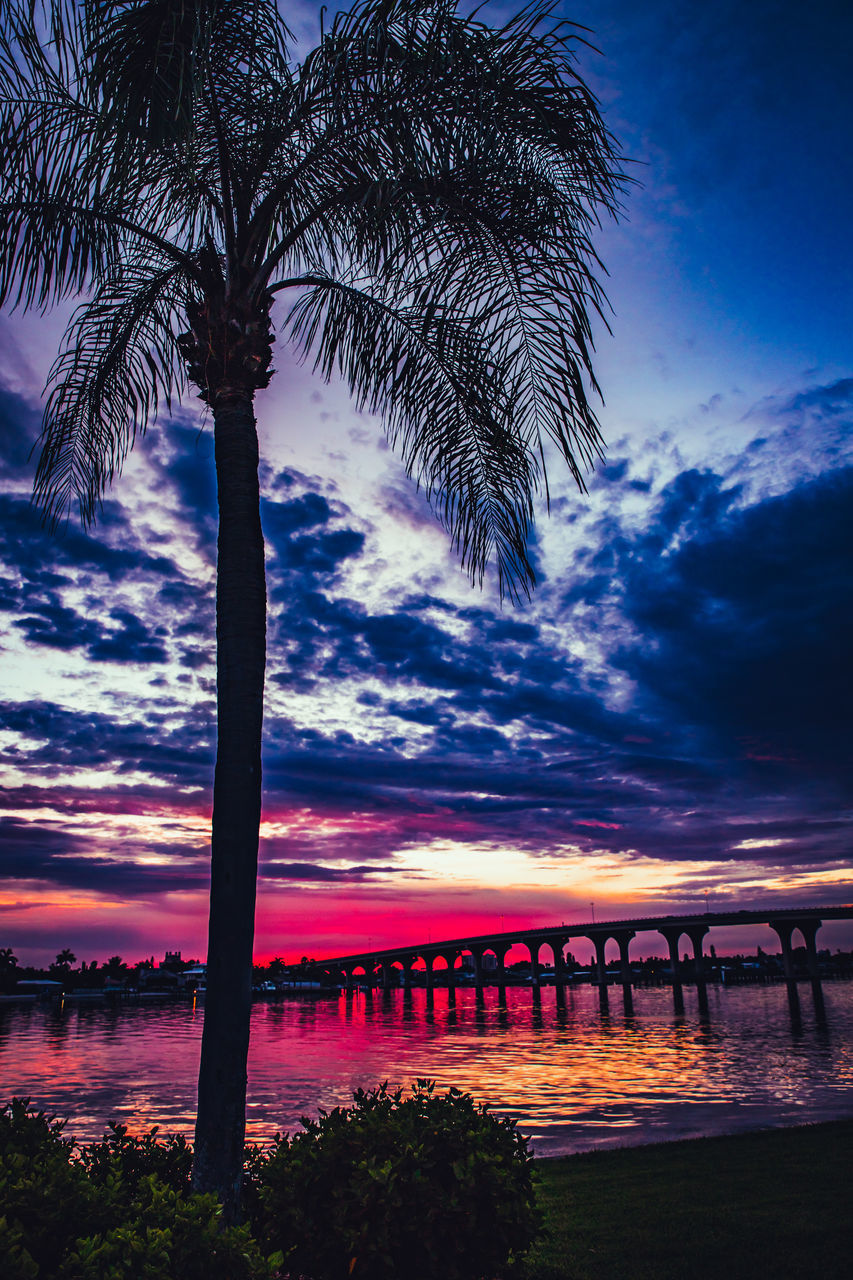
[(667, 723)]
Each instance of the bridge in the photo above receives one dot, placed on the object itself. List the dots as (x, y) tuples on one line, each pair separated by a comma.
[(378, 967)]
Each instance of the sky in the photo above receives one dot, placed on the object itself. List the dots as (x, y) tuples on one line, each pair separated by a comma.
[(664, 727)]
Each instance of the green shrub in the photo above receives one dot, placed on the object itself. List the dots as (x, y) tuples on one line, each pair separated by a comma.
[(47, 1200), (119, 1153), (118, 1210), (427, 1187), (167, 1236), (15, 1258)]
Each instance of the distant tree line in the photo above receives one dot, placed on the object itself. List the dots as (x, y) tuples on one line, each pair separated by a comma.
[(114, 971)]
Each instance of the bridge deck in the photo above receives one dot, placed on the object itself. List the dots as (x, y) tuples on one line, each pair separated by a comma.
[(640, 924)]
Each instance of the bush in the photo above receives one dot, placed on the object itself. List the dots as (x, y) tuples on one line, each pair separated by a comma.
[(166, 1236), (119, 1154), (427, 1187), (47, 1200), (117, 1210), (430, 1187)]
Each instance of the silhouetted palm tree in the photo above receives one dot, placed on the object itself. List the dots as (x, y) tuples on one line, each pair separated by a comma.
[(424, 189), (64, 960)]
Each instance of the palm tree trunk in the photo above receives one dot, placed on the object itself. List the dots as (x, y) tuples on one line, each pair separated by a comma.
[(240, 656)]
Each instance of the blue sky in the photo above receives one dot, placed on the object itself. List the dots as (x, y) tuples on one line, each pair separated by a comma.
[(669, 716)]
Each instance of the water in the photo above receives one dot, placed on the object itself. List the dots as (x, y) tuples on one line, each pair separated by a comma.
[(573, 1077)]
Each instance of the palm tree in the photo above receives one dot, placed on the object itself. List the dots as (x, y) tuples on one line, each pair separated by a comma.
[(64, 961), (422, 187), (8, 965)]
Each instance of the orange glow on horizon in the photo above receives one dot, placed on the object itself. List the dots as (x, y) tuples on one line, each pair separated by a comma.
[(442, 885)]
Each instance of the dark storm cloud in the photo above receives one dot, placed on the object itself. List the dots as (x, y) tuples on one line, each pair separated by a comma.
[(733, 618), (658, 807), (417, 712), (725, 614), (303, 534), (39, 851), (29, 850), (833, 400), (64, 588), (59, 627), (313, 872), (57, 740), (20, 423), (282, 519), (186, 450), (28, 546), (745, 624), (131, 641), (319, 553)]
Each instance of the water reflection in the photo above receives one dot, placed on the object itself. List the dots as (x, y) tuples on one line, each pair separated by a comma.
[(575, 1072)]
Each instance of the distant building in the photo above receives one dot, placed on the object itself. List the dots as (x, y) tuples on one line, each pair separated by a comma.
[(161, 979), (194, 977)]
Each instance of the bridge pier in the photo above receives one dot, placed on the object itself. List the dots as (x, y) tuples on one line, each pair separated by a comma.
[(784, 929), (450, 958), (500, 953), (623, 938), (477, 957), (672, 936), (697, 936), (599, 941), (557, 946), (808, 928), (533, 947)]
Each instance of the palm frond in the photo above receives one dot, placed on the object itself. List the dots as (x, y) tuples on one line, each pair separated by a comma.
[(443, 406), (66, 204), (438, 180), (118, 361), (535, 303)]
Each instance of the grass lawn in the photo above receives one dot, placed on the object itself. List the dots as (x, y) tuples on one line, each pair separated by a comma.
[(774, 1205)]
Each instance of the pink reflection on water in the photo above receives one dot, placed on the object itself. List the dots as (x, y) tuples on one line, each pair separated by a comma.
[(574, 1077)]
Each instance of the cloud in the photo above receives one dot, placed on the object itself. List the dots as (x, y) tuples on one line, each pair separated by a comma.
[(20, 423), (55, 741), (38, 851), (677, 691), (742, 624)]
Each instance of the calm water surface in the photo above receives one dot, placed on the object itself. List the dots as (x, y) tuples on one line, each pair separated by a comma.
[(574, 1077)]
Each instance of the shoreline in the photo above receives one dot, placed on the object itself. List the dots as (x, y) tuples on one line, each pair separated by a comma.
[(692, 1140), (610, 1139)]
